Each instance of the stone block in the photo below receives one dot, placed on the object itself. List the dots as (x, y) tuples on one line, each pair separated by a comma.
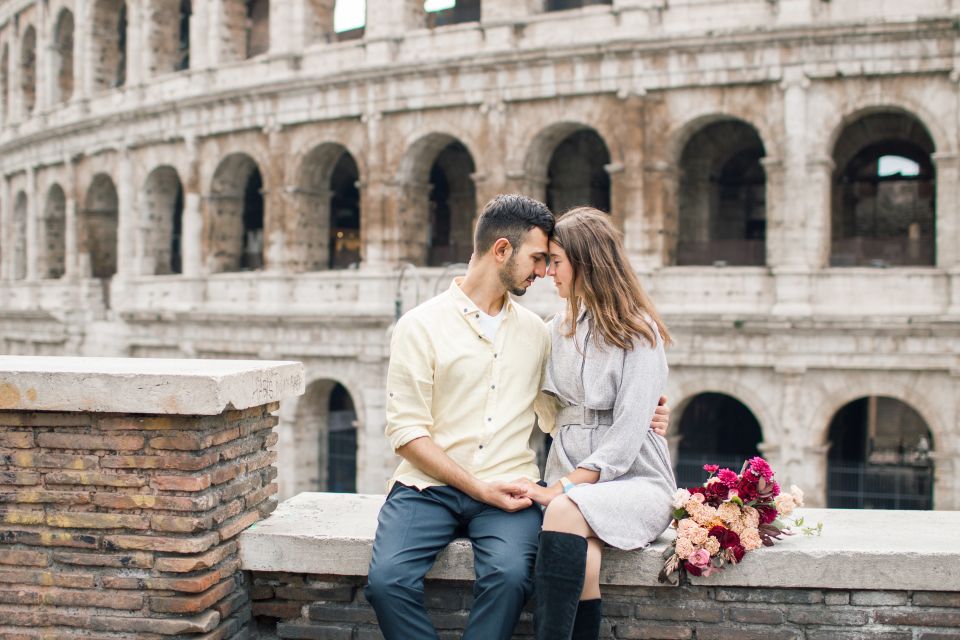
[(649, 631), (89, 442), (880, 598), (194, 603), (195, 563)]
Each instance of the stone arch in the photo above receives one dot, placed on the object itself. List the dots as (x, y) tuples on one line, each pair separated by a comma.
[(883, 215), (19, 236), (234, 224), (566, 166), (462, 11), (701, 418), (325, 438), (162, 216), (98, 230), (62, 57), (54, 233), (108, 38), (879, 456), (339, 32), (28, 69), (168, 35), (328, 203), (721, 199), (438, 203)]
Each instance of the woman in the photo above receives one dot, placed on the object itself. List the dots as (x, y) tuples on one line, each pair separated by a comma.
[(609, 477)]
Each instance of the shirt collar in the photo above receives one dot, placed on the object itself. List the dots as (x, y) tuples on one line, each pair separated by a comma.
[(584, 312), (465, 305)]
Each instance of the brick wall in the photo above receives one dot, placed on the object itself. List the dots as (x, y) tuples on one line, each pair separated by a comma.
[(333, 608), (120, 526)]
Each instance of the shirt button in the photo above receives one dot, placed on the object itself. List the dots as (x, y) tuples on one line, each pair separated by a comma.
[(481, 446), (477, 316), (493, 386), (489, 419)]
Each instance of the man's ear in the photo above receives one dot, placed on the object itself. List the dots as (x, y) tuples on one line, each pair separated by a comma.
[(502, 250)]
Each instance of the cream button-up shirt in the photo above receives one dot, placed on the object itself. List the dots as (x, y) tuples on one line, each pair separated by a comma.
[(474, 397)]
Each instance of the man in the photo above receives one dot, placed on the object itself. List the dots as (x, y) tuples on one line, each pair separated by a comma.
[(465, 368)]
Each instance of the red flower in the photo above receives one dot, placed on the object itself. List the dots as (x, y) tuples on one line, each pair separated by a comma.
[(710, 468), (738, 552), (760, 467), (715, 493), (728, 477), (747, 487), (727, 538), (691, 568), (768, 512), (776, 489)]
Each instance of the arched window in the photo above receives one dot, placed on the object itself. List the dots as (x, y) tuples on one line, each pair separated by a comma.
[(884, 193), (722, 197), (235, 216), (444, 12), (328, 201), (576, 173), (5, 82), (19, 243), (28, 69), (100, 217), (714, 429), (258, 27), (563, 5), (325, 439), (109, 42), (349, 19), (452, 206), (54, 233), (163, 202), (879, 457), (344, 214), (168, 32), (183, 50), (63, 57), (342, 442)]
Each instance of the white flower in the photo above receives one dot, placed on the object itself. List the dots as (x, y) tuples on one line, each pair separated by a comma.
[(680, 498), (797, 494)]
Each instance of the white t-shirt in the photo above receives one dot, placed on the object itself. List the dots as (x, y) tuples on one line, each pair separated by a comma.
[(490, 324)]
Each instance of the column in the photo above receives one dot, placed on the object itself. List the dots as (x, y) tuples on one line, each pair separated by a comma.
[(192, 231), (661, 183), (72, 224), (126, 217), (377, 201), (44, 73), (14, 94), (947, 166), (626, 179), (33, 230), (6, 220), (81, 52), (288, 26), (275, 209), (389, 20)]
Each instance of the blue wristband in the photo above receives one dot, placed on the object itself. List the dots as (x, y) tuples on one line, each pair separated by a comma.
[(566, 484)]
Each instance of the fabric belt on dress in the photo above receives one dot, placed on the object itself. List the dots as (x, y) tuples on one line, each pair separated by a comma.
[(579, 414)]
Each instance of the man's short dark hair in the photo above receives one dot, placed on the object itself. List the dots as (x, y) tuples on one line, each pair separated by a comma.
[(510, 216)]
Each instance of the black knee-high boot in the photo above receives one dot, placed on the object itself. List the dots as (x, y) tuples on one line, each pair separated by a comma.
[(587, 624), (558, 581)]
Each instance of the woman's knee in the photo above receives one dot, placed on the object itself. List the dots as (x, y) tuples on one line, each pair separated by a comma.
[(564, 515)]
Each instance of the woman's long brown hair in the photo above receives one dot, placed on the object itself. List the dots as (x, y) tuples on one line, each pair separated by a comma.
[(605, 281)]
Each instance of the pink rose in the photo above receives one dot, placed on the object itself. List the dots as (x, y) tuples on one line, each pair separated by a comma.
[(700, 558), (711, 468)]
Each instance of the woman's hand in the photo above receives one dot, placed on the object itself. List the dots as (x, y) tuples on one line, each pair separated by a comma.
[(540, 495)]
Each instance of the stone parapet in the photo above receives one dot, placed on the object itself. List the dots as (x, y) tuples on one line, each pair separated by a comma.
[(872, 574), (117, 523)]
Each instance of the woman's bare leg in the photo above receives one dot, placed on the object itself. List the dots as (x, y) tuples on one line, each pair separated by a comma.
[(564, 515)]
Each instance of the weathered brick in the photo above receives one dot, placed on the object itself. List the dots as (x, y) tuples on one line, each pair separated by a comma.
[(19, 595), (120, 560), (275, 609), (338, 613), (228, 510), (130, 583), (298, 631), (258, 424), (89, 442), (231, 603), (47, 578), (16, 439), (49, 538), (936, 599), (939, 635), (254, 498), (147, 423), (241, 447), (631, 631), (267, 507), (914, 617), (82, 520), (19, 478), (92, 598), (183, 462), (44, 419), (842, 617), (22, 517), (742, 633), (879, 598), (833, 634), (192, 604), (55, 460), (196, 583), (181, 483), (836, 598), (37, 496), (755, 615), (271, 439), (189, 441), (241, 487), (196, 563), (701, 613), (180, 524), (191, 544), (94, 478), (235, 526), (23, 557), (774, 596), (145, 501)]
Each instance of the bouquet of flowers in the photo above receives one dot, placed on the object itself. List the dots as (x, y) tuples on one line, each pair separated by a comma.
[(731, 514)]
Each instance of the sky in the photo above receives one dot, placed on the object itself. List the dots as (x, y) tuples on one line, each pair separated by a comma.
[(350, 14)]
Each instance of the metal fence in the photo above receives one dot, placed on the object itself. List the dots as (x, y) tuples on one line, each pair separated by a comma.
[(871, 486), (689, 469)]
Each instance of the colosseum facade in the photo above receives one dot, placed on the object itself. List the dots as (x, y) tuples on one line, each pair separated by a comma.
[(237, 179)]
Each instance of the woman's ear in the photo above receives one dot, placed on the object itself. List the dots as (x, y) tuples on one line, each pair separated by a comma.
[(502, 249)]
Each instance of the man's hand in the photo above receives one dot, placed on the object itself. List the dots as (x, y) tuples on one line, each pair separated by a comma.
[(541, 495), (661, 418), (509, 496)]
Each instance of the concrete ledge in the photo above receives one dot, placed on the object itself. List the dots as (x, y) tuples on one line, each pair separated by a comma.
[(332, 534), (144, 385)]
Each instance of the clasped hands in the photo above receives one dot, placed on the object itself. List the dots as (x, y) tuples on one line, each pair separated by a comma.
[(523, 492)]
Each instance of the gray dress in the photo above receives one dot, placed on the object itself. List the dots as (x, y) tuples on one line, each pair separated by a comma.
[(598, 408)]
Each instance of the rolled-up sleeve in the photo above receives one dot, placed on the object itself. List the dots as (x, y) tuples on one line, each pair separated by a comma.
[(644, 375), (409, 384)]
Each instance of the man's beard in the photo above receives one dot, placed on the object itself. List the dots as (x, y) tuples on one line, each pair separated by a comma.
[(509, 278)]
